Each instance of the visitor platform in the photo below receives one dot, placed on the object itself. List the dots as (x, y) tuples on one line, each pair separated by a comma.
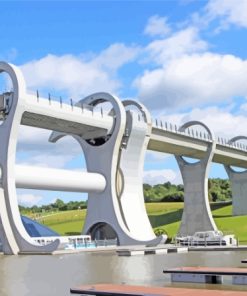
[(212, 275), (127, 290)]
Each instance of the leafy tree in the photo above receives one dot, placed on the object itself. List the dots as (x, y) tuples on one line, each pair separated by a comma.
[(59, 204), (174, 197)]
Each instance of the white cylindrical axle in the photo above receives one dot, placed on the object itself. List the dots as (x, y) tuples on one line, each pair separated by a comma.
[(58, 180)]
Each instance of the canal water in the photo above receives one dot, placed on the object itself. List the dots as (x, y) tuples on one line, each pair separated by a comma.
[(50, 275)]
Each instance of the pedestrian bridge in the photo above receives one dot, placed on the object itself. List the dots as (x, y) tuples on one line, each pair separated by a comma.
[(114, 142)]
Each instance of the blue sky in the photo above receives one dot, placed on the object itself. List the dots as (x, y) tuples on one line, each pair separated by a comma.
[(185, 60)]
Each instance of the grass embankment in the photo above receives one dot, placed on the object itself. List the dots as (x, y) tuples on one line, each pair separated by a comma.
[(65, 223), (165, 216)]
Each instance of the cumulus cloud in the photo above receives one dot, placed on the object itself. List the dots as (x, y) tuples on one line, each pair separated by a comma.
[(183, 42), (157, 26), (193, 80), (115, 56), (153, 177), (29, 199), (67, 74), (228, 12), (187, 74), (34, 149), (155, 157), (76, 75), (221, 121), (243, 107)]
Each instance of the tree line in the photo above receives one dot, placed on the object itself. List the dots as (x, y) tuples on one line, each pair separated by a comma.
[(218, 190), (58, 205)]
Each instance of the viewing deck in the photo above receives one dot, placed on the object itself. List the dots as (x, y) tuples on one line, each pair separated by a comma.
[(208, 274), (122, 290)]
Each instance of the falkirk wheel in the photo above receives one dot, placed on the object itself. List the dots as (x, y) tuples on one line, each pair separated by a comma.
[(114, 146)]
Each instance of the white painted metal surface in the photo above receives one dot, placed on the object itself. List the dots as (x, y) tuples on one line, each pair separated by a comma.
[(58, 180), (12, 232)]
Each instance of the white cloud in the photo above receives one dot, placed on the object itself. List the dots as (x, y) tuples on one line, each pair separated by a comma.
[(221, 122), (193, 80), (67, 74), (228, 11), (155, 157), (51, 160), (28, 135), (115, 56), (29, 199), (78, 76), (187, 74), (243, 107), (153, 177), (34, 149), (183, 42), (157, 26)]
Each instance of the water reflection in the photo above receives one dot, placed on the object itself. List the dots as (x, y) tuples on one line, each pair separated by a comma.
[(53, 275)]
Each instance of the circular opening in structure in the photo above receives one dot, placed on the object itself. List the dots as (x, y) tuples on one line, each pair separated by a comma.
[(190, 160), (238, 169), (61, 209), (135, 110), (163, 192), (101, 108), (6, 95), (103, 231), (198, 131)]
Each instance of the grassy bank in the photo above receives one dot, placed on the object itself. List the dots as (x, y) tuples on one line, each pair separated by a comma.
[(165, 216)]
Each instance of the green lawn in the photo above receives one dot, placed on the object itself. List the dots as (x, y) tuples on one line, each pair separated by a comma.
[(165, 216), (231, 224), (65, 223)]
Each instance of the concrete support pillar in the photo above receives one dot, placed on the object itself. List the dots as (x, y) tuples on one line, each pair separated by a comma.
[(238, 182), (197, 215), (12, 232)]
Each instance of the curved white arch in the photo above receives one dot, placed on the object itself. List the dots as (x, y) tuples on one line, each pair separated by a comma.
[(15, 237), (212, 137), (196, 122), (131, 166)]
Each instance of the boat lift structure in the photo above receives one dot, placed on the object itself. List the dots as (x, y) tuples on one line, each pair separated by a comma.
[(114, 146)]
